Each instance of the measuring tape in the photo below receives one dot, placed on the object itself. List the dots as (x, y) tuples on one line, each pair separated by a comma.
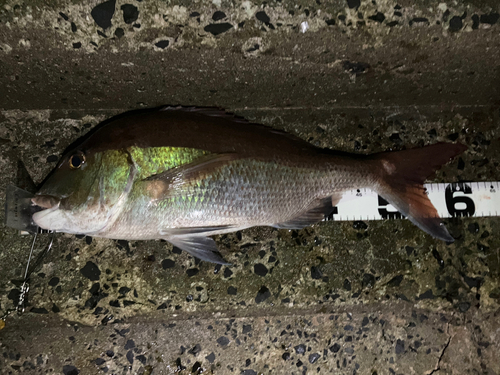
[(457, 199)]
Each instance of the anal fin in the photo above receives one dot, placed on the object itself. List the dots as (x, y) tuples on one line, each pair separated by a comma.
[(314, 213)]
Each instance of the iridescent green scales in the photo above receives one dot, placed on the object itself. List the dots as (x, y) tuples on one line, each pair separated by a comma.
[(114, 165), (155, 160)]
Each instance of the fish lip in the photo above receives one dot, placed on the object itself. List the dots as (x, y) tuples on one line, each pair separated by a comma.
[(38, 218), (41, 214), (46, 201)]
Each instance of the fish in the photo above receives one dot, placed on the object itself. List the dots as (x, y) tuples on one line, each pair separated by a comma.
[(185, 174)]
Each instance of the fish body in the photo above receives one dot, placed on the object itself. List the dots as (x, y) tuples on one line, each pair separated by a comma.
[(184, 174)]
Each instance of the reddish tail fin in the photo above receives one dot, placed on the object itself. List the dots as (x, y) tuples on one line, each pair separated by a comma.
[(403, 175)]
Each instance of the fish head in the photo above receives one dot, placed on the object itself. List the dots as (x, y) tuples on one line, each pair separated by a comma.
[(84, 192)]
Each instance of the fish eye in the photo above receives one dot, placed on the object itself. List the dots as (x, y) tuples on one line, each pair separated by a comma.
[(76, 160)]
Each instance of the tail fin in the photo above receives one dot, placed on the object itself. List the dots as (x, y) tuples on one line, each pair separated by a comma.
[(403, 175)]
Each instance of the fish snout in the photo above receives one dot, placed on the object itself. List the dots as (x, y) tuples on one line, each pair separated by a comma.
[(45, 201)]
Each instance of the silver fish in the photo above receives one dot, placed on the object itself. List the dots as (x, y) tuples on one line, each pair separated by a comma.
[(184, 174)]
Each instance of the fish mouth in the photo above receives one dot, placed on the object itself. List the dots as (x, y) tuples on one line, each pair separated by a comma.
[(46, 201), (45, 205), (49, 216)]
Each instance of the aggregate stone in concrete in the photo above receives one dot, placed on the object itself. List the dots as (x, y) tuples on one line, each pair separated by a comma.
[(381, 338)]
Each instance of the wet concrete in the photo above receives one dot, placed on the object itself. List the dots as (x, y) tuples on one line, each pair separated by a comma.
[(338, 297)]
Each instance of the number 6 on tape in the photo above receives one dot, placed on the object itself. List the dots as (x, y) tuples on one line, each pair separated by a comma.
[(457, 199)]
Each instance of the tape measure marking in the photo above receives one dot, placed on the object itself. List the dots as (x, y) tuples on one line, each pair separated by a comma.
[(457, 199)]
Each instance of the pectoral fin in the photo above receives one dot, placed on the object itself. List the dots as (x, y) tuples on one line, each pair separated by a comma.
[(203, 248), (203, 165)]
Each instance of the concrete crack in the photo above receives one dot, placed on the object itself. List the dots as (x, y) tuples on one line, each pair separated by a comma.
[(438, 364)]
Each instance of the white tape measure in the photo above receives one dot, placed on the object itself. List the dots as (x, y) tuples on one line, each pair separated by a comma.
[(457, 199)]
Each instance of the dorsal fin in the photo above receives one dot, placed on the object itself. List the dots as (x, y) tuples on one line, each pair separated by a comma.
[(209, 129)]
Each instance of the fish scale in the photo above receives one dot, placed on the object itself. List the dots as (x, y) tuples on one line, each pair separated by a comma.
[(240, 194)]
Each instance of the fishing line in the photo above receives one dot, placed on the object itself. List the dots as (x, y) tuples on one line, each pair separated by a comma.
[(25, 287), (29, 258)]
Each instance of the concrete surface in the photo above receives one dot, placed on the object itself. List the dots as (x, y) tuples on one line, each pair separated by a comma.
[(338, 297)]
